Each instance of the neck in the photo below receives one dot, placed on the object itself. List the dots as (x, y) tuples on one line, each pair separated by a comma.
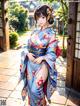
[(46, 26)]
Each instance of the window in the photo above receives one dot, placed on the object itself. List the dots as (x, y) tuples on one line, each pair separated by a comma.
[(77, 45)]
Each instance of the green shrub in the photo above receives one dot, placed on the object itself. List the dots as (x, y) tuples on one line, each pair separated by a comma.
[(18, 17), (13, 39), (64, 52)]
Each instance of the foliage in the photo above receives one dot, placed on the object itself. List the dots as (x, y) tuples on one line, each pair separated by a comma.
[(18, 17), (13, 39), (64, 53), (62, 12)]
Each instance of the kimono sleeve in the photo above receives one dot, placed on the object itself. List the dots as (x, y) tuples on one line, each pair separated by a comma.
[(50, 56), (24, 59)]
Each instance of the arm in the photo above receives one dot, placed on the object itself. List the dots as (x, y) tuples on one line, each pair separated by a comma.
[(24, 59), (25, 56), (50, 53), (50, 56)]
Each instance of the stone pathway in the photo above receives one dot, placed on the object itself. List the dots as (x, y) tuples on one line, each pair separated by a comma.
[(10, 90)]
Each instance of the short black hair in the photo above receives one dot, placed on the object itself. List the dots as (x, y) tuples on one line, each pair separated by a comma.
[(43, 11)]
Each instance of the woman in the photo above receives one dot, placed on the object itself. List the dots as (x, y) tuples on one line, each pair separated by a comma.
[(38, 60)]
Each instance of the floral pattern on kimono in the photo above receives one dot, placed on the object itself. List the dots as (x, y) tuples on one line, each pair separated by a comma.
[(44, 39)]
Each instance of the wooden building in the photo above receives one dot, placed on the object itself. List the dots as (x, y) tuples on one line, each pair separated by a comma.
[(4, 29), (30, 5), (73, 51)]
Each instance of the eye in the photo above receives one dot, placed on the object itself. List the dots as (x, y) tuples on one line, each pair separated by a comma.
[(43, 17)]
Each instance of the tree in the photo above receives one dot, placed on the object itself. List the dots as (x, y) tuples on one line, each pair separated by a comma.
[(62, 12), (18, 17)]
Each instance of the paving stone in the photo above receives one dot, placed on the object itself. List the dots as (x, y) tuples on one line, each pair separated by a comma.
[(9, 58), (53, 104), (7, 86), (56, 98), (19, 86), (13, 80), (73, 101), (17, 74), (74, 94), (60, 96), (7, 63), (63, 91), (3, 98), (8, 71), (61, 77), (4, 78), (4, 93), (16, 94), (14, 102), (60, 83)]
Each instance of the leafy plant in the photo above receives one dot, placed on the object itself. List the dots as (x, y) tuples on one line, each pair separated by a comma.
[(13, 39), (18, 17), (64, 53)]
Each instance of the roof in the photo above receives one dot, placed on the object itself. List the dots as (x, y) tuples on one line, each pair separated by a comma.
[(30, 5)]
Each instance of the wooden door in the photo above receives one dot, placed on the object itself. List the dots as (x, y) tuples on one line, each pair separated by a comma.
[(76, 74), (71, 43)]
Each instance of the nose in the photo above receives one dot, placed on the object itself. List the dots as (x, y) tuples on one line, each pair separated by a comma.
[(40, 20)]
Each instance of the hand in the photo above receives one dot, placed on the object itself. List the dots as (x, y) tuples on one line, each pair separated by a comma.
[(31, 56), (38, 60)]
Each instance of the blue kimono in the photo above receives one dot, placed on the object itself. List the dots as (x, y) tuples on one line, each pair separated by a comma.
[(41, 43)]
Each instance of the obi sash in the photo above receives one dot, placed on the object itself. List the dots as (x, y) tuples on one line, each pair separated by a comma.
[(37, 51)]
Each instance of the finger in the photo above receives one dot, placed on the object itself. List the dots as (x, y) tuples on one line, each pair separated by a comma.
[(38, 61), (35, 60), (33, 54)]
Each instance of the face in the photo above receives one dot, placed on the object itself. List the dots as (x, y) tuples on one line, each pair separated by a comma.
[(41, 21)]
